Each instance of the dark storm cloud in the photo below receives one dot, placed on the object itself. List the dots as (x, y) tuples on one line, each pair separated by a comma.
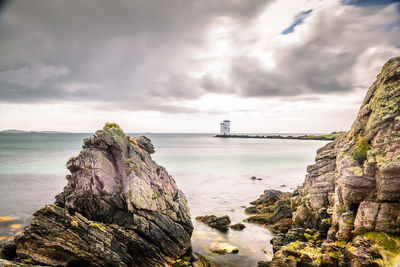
[(138, 55), (133, 51)]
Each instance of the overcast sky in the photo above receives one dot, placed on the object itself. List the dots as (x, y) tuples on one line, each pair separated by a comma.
[(185, 65)]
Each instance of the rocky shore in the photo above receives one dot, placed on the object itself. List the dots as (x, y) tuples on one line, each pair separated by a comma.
[(347, 213), (119, 208)]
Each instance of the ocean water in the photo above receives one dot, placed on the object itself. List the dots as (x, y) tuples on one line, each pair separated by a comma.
[(214, 174)]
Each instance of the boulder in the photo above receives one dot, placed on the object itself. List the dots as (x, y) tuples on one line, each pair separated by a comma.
[(119, 208)]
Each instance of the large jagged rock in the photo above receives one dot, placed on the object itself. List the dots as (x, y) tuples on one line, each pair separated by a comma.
[(119, 208), (354, 186)]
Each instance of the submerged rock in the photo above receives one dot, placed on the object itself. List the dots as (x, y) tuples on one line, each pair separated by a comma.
[(221, 223), (223, 248), (353, 189), (119, 208), (238, 226)]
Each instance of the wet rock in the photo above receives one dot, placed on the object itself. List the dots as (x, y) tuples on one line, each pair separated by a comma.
[(221, 223), (273, 210), (238, 226), (263, 264), (222, 248), (252, 210), (119, 208), (293, 235), (8, 250), (193, 259)]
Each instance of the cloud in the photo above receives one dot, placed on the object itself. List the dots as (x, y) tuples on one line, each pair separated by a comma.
[(329, 55), (147, 55)]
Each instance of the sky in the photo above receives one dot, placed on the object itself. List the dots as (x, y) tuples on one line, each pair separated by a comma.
[(268, 66)]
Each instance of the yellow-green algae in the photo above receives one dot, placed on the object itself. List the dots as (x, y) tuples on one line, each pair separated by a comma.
[(313, 253), (97, 225), (387, 245)]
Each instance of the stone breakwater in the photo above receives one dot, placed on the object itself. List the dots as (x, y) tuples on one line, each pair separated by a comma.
[(119, 208), (328, 137), (347, 213)]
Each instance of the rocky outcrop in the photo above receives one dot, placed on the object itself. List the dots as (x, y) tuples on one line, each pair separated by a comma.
[(353, 188), (119, 208), (221, 223)]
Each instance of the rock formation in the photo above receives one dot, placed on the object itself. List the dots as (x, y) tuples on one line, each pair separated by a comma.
[(119, 208), (350, 198), (271, 209)]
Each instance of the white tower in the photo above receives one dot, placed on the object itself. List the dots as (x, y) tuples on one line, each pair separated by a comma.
[(226, 127)]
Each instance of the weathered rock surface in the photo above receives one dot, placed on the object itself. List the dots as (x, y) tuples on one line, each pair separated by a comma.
[(221, 223), (119, 208), (353, 188)]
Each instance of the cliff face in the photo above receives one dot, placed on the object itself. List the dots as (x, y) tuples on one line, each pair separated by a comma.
[(119, 208), (354, 186)]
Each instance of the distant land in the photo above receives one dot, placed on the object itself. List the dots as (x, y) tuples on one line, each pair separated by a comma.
[(13, 131)]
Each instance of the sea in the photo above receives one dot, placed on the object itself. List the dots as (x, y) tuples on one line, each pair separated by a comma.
[(214, 174)]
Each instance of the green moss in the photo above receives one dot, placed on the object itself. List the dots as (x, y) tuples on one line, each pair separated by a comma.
[(264, 218), (312, 237), (314, 254), (109, 125), (294, 245), (97, 225), (360, 150), (340, 244), (155, 195), (387, 245), (335, 254)]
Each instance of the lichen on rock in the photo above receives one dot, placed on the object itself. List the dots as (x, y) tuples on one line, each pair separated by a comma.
[(354, 186)]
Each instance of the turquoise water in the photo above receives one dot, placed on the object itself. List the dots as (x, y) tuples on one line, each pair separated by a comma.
[(214, 174)]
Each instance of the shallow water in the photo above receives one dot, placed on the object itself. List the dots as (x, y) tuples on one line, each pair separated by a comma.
[(214, 174)]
